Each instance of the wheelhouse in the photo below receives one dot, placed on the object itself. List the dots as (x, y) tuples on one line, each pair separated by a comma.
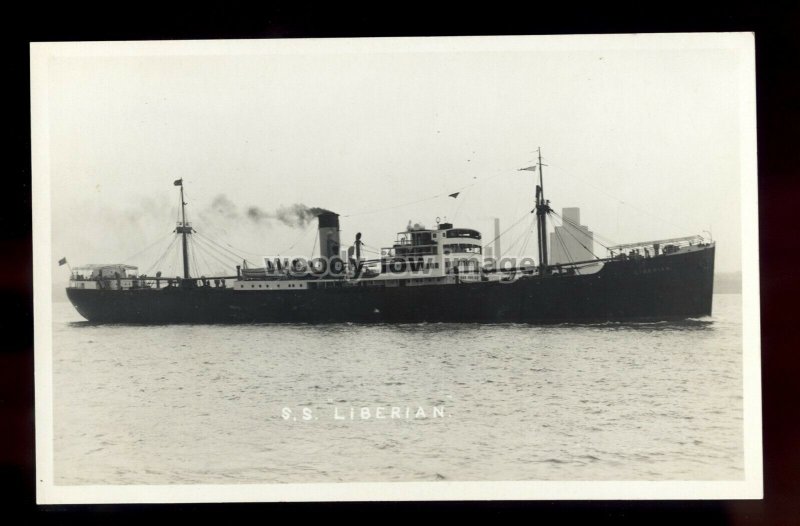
[(433, 252)]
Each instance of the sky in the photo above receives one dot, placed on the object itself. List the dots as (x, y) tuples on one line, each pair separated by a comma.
[(645, 139)]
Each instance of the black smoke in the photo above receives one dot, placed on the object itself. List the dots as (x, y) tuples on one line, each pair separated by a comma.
[(297, 215)]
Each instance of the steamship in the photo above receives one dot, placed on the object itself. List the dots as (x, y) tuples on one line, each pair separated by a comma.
[(439, 274)]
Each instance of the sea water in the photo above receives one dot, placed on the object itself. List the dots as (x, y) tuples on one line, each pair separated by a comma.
[(215, 404)]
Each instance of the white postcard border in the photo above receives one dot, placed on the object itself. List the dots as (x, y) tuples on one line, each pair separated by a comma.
[(50, 493)]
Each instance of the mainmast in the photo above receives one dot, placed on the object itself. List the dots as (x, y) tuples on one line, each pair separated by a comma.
[(183, 229), (542, 208)]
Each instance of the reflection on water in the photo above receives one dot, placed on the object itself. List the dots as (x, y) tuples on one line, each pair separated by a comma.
[(208, 404)]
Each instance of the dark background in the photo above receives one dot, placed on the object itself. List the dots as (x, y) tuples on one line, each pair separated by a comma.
[(778, 89)]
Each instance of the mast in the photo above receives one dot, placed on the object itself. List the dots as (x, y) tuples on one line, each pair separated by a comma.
[(542, 208), (184, 230)]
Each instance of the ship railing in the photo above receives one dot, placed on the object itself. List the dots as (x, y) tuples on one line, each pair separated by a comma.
[(411, 251), (646, 249), (147, 282), (509, 270), (554, 269)]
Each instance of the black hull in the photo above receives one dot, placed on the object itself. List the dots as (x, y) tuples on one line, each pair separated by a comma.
[(666, 287)]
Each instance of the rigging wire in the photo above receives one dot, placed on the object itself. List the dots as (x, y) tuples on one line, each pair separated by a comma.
[(207, 245), (575, 268), (383, 209), (224, 233), (174, 265), (463, 188), (527, 239), (313, 248), (506, 251), (257, 254), (158, 262), (579, 229), (202, 255), (209, 240), (463, 197), (193, 253), (221, 262), (563, 246), (505, 231), (367, 246), (178, 267), (148, 247), (570, 222), (617, 199), (524, 235), (224, 259), (566, 250), (297, 240), (576, 239), (224, 266), (437, 196)]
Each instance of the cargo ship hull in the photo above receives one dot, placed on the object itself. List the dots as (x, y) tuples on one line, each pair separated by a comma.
[(666, 287)]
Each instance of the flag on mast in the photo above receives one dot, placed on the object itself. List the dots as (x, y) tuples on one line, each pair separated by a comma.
[(455, 195), (529, 168), (178, 182), (62, 262)]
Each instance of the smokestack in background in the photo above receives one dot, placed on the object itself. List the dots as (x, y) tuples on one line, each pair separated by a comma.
[(328, 234), (497, 251)]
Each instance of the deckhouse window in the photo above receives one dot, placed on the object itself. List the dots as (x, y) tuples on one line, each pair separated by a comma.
[(463, 232), (462, 247)]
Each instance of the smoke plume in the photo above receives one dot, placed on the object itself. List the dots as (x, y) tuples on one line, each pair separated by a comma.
[(297, 215), (224, 207)]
